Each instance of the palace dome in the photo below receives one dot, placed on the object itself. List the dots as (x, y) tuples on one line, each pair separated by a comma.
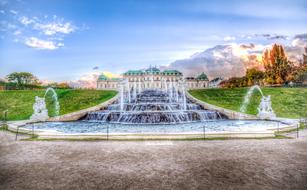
[(102, 77), (202, 76)]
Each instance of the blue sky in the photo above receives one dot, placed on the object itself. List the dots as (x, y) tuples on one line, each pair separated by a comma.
[(65, 39)]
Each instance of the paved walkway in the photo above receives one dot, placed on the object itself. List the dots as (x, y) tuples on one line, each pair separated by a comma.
[(229, 164)]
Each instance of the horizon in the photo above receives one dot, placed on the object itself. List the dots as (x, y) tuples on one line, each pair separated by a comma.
[(75, 40)]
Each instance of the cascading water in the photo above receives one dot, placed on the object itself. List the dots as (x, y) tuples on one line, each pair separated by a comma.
[(134, 90), (152, 107), (265, 110), (129, 91), (121, 97), (140, 88)]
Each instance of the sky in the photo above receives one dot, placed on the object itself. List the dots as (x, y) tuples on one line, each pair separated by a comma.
[(62, 40)]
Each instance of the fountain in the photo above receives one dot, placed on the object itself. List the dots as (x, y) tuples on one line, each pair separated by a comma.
[(152, 106), (134, 90), (40, 111), (121, 96), (55, 100), (152, 112), (265, 110)]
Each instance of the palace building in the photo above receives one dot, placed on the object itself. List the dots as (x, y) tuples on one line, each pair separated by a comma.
[(153, 78)]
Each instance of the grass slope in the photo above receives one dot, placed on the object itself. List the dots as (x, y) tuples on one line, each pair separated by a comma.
[(19, 103), (286, 102)]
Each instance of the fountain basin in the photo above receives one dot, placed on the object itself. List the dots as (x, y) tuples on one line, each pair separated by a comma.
[(85, 127)]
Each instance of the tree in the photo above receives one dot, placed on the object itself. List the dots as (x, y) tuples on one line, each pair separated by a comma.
[(254, 76), (276, 64), (305, 56), (299, 74), (22, 78), (234, 82), (62, 85)]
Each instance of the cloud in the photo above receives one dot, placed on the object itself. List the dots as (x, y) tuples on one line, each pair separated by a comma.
[(273, 36), (49, 28), (37, 32), (300, 40), (89, 80), (222, 60), (17, 32), (247, 46), (55, 27), (36, 43), (26, 21), (233, 59), (13, 12), (229, 38), (111, 75)]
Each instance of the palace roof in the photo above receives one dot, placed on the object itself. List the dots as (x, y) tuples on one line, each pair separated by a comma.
[(102, 77), (202, 76), (171, 72), (153, 70), (134, 72)]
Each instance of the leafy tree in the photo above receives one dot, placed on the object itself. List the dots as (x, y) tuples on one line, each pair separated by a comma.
[(234, 82), (22, 78), (254, 76), (305, 56), (276, 65), (299, 74)]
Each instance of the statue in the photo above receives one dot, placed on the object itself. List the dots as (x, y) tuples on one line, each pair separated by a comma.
[(265, 110), (40, 110)]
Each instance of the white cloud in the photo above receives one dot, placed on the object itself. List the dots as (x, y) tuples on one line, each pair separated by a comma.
[(55, 27), (25, 20), (89, 80), (48, 28), (300, 40), (17, 32), (42, 44), (13, 12), (229, 38)]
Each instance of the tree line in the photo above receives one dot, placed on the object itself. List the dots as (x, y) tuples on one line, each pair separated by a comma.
[(278, 71), (26, 80)]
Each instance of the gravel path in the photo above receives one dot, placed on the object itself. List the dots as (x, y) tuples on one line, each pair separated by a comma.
[(229, 164)]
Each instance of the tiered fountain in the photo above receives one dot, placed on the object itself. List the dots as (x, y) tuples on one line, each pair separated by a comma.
[(153, 106), (158, 112)]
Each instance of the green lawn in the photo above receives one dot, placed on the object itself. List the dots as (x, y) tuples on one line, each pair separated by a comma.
[(19, 103), (286, 102)]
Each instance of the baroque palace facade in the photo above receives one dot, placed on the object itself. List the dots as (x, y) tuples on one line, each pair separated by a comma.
[(153, 78)]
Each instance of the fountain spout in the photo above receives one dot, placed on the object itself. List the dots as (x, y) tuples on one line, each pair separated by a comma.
[(248, 96), (55, 99)]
